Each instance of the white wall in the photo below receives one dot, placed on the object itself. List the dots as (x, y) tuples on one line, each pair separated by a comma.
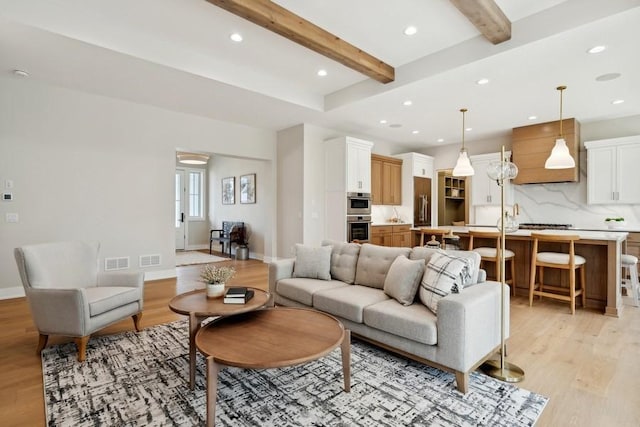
[(255, 215), (88, 167), (290, 188)]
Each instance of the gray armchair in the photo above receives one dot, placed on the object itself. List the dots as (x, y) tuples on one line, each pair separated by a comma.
[(68, 296)]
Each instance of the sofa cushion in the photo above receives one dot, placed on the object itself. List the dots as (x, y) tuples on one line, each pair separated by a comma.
[(374, 262), (414, 322), (302, 289), (403, 279), (348, 301), (444, 274), (106, 298), (312, 262), (426, 254), (344, 258)]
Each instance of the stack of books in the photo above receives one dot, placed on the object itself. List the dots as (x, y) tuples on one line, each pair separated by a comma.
[(238, 295)]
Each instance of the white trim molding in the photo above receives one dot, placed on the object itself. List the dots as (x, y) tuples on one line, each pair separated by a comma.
[(9, 293)]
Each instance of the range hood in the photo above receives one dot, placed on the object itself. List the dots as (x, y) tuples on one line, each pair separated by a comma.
[(531, 145)]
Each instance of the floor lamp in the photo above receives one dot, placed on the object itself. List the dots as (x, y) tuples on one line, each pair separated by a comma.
[(503, 171)]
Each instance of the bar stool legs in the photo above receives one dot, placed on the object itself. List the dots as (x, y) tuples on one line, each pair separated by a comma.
[(630, 264), (559, 260)]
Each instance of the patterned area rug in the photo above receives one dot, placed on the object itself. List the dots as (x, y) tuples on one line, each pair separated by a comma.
[(141, 379), (195, 257)]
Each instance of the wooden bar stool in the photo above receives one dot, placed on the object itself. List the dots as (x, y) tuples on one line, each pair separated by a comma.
[(439, 233), (492, 254), (564, 261), (630, 263)]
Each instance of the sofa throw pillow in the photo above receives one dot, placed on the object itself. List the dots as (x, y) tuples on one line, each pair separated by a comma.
[(403, 279), (344, 257), (427, 253), (443, 275), (312, 262)]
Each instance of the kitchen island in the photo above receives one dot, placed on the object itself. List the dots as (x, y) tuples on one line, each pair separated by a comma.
[(601, 249)]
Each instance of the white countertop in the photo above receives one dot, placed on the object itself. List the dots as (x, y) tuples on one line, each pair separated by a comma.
[(608, 235), (374, 224)]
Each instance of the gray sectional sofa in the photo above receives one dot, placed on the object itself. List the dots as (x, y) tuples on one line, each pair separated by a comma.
[(356, 287)]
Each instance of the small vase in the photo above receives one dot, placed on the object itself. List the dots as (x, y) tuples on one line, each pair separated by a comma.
[(215, 290)]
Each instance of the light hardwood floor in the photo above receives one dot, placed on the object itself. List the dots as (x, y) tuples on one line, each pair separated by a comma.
[(587, 364)]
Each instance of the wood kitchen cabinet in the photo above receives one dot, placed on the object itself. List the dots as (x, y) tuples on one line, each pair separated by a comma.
[(453, 199), (386, 180), (612, 171), (392, 235), (484, 190), (532, 145)]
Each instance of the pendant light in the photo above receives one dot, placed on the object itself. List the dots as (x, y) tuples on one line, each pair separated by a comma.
[(560, 157), (463, 165)]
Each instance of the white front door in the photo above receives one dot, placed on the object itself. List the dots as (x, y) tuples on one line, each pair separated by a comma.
[(180, 205)]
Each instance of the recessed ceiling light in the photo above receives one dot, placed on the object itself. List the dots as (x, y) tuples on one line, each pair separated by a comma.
[(597, 49), (617, 101), (322, 73), (440, 140), (482, 81), (607, 77), (532, 117), (415, 132), (468, 129), (407, 103), (20, 73), (383, 121), (410, 30), (236, 37)]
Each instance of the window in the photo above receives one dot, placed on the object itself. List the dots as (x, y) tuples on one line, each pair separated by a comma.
[(196, 194)]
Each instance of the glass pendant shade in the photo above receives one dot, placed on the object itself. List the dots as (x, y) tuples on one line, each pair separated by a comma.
[(560, 157), (463, 165), (502, 171)]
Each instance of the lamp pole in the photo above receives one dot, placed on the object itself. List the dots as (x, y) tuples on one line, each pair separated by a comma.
[(501, 369)]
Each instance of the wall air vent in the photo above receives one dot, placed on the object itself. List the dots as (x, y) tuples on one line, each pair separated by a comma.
[(149, 260), (119, 263)]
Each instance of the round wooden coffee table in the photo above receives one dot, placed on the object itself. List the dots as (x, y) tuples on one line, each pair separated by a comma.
[(198, 307), (270, 338)]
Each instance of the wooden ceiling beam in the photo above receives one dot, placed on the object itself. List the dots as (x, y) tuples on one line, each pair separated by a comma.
[(281, 21), (488, 18)]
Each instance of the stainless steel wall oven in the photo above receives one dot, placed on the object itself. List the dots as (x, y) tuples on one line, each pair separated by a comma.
[(358, 228), (358, 203)]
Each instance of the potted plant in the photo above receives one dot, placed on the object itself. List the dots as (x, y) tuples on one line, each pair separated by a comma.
[(215, 279), (615, 222)]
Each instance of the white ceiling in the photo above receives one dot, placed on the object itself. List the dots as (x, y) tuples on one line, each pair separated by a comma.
[(176, 54)]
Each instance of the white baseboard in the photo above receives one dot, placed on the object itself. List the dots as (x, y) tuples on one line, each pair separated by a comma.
[(9, 293), (160, 274), (197, 247)]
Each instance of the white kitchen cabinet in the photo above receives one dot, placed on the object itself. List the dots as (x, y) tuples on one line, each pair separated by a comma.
[(422, 165), (484, 190), (348, 165), (358, 166), (612, 176)]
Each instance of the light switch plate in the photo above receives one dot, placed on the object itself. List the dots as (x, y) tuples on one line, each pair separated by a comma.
[(12, 217)]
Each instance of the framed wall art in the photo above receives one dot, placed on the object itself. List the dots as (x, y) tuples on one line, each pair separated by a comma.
[(229, 190), (248, 188)]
